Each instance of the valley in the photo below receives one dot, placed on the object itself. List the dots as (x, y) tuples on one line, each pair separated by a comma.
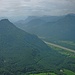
[(58, 46), (64, 51)]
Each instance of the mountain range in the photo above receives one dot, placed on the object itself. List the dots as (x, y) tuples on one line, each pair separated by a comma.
[(61, 29), (35, 21)]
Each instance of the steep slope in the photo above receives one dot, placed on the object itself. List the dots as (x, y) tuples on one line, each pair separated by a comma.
[(17, 46), (23, 52)]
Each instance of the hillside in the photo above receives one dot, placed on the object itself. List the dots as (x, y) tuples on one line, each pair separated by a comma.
[(18, 48), (21, 53)]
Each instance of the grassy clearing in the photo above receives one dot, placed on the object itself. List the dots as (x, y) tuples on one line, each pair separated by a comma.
[(44, 74), (65, 72), (68, 72)]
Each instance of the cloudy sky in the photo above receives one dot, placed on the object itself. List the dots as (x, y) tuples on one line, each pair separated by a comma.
[(11, 8)]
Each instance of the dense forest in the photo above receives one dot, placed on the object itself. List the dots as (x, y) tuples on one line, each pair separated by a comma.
[(22, 53)]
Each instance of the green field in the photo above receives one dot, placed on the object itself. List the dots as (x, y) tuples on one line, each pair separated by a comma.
[(68, 72), (62, 51), (65, 72), (44, 74)]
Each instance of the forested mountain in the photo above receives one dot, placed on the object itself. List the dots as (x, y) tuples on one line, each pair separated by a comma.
[(23, 52), (18, 48)]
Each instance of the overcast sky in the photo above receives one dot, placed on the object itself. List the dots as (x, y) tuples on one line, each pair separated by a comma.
[(11, 8)]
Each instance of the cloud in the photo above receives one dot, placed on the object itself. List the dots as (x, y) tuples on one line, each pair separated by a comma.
[(36, 7)]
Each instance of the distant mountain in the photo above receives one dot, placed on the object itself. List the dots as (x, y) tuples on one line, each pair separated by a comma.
[(34, 21), (71, 14), (62, 29), (22, 23), (51, 18), (23, 52)]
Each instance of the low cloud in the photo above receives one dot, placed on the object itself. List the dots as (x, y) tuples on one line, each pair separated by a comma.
[(36, 7)]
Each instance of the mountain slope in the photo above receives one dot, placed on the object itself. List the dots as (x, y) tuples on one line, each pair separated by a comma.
[(18, 46), (21, 52)]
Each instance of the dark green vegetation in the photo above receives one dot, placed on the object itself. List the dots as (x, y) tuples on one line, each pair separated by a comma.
[(70, 55), (58, 30), (48, 73), (22, 53), (19, 50)]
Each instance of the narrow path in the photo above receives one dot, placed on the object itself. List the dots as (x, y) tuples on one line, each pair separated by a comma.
[(67, 49)]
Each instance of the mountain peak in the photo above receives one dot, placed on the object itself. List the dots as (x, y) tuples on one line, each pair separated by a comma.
[(70, 15), (6, 24), (4, 20)]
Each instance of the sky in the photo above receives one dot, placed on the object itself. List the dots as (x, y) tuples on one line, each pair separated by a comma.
[(19, 8)]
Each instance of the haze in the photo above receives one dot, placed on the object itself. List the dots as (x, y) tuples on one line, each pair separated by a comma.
[(20, 8)]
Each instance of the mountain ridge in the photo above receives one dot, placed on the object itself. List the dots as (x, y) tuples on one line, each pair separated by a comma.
[(64, 25), (20, 50)]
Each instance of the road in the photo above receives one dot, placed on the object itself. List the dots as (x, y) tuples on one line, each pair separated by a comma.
[(67, 49)]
